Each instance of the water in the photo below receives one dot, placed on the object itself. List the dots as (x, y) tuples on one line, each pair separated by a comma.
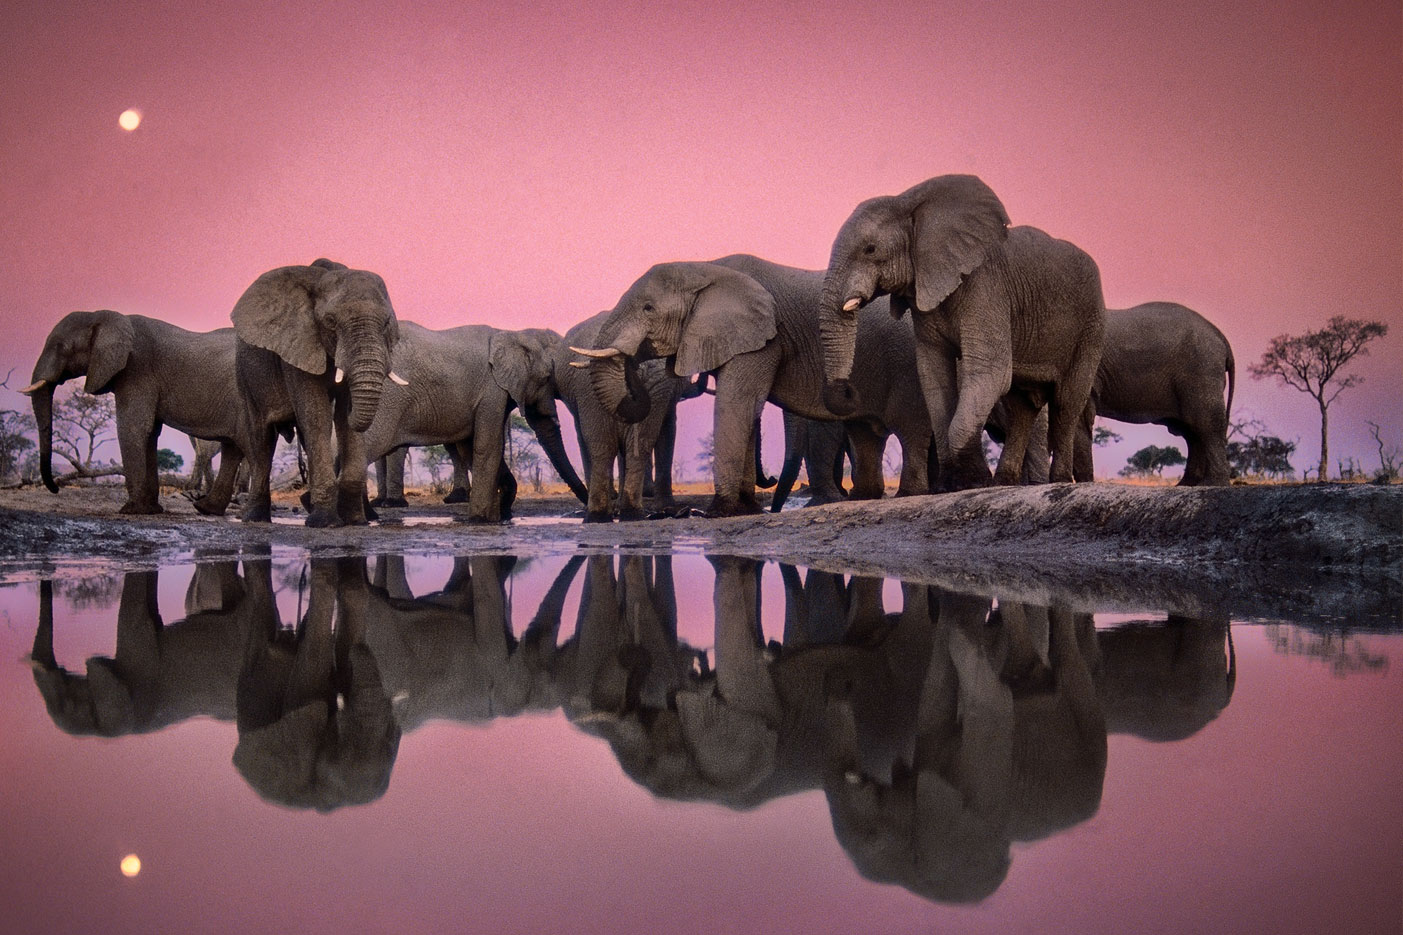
[(587, 744)]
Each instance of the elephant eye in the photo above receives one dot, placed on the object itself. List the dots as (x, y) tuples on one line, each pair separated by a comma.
[(648, 307), (870, 249)]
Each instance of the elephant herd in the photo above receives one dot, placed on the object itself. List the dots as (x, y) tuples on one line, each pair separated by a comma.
[(1007, 332), (940, 733)]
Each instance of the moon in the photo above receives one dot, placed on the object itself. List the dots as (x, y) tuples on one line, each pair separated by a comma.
[(131, 865), (130, 120)]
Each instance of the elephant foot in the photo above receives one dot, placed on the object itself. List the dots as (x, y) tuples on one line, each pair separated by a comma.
[(631, 515), (480, 520), (324, 519), (306, 500), (456, 495), (132, 508), (817, 500), (207, 507), (257, 513), (397, 503), (377, 501), (596, 516)]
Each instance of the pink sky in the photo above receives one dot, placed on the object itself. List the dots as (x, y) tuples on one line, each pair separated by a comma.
[(522, 168)]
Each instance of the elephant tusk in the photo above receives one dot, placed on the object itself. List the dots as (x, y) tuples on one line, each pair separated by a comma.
[(34, 387), (340, 374), (599, 353), (398, 379), (581, 364), (852, 305)]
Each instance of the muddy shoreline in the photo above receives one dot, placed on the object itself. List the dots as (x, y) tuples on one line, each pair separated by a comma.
[(1330, 554)]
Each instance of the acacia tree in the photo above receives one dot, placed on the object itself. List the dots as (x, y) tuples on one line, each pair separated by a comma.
[(1312, 362), (1152, 459), (82, 425)]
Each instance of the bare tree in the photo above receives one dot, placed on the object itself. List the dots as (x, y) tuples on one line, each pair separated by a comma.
[(82, 425), (1389, 455), (1312, 362)]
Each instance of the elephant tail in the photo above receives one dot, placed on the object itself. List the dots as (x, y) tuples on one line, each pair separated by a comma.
[(1231, 367)]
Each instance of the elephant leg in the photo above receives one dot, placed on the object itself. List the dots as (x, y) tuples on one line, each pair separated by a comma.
[(635, 466), (663, 448), (221, 491), (259, 459), (351, 498), (506, 490), (316, 427), (489, 431), (868, 445), (795, 451), (393, 489), (137, 430), (985, 375), (1036, 457), (459, 454), (1070, 397), (1020, 425), (599, 444), (935, 365), (915, 463), (741, 386), (381, 469), (1083, 465)]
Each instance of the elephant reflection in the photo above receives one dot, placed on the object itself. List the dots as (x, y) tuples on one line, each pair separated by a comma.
[(451, 654), (1166, 681), (315, 727)]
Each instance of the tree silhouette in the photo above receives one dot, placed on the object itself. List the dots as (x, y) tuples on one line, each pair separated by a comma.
[(1312, 362), (1152, 459)]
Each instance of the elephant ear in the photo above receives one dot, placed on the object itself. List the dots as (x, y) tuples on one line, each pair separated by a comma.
[(511, 365), (731, 315), (276, 314), (956, 220), (111, 346)]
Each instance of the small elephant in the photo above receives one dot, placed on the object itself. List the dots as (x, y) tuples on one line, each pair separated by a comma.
[(753, 323), (1165, 364), (639, 447), (299, 330), (462, 384), (159, 375), (820, 447), (389, 480), (995, 309)]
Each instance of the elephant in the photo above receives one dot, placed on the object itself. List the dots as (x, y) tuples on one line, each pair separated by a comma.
[(462, 384), (642, 448), (753, 322), (202, 487), (316, 727), (995, 310), (1165, 680), (159, 375), (820, 447), (299, 329), (1165, 363), (389, 481)]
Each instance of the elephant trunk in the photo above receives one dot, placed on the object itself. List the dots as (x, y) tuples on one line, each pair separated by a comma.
[(619, 388), (42, 400), (837, 329), (369, 366), (547, 429)]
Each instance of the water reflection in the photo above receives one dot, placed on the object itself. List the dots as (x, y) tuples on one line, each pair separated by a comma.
[(941, 732)]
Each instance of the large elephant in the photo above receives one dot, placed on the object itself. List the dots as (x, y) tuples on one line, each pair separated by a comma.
[(299, 330), (159, 375), (995, 310), (1164, 363), (754, 323), (604, 437), (462, 384)]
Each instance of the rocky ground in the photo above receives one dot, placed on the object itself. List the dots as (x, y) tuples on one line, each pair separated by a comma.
[(1329, 553)]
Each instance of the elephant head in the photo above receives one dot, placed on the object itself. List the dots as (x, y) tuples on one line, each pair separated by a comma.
[(523, 364), (325, 315), (915, 247), (94, 345), (697, 315)]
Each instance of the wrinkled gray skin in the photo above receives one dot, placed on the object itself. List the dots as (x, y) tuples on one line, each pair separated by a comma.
[(753, 323), (158, 375), (606, 438), (820, 448), (1165, 364), (995, 310), (462, 384), (296, 327)]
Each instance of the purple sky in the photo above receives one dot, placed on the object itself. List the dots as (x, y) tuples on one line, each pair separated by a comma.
[(523, 168)]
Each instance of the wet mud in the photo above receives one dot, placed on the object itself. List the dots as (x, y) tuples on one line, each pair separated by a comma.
[(1329, 553)]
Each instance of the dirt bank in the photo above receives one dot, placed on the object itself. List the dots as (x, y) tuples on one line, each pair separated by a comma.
[(1327, 553)]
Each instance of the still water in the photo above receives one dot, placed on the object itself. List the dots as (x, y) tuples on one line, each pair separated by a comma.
[(678, 744)]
